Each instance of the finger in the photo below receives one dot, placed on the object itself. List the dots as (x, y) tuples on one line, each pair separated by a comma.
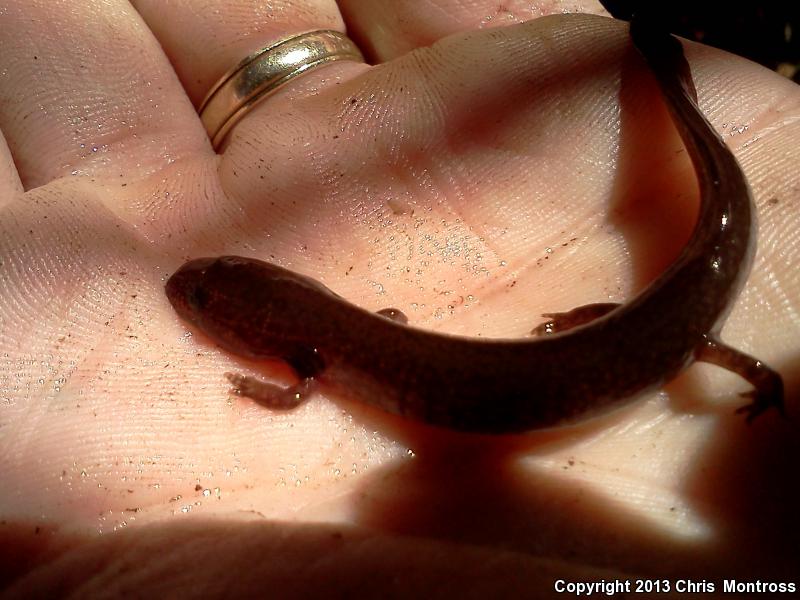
[(223, 32), (86, 90), (9, 178), (385, 29), (191, 559)]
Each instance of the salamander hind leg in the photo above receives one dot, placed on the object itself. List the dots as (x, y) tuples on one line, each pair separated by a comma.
[(271, 395), (577, 316), (767, 383)]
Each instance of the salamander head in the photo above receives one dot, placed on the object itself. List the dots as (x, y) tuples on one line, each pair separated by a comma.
[(247, 306), (185, 290)]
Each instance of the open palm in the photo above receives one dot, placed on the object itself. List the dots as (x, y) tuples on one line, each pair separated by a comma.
[(474, 184)]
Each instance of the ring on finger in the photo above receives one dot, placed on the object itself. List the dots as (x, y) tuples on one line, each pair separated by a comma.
[(265, 71)]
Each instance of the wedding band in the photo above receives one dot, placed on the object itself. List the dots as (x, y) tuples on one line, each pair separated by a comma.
[(265, 71)]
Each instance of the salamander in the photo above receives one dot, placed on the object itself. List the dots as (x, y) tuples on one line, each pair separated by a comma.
[(583, 362)]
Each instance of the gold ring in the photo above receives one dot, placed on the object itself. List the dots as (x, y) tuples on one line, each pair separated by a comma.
[(266, 70)]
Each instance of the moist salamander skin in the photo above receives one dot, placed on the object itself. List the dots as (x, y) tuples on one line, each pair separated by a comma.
[(600, 355)]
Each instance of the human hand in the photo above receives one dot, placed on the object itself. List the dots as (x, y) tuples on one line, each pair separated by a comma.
[(433, 180)]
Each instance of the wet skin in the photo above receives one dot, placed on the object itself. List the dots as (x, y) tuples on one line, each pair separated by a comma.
[(586, 361)]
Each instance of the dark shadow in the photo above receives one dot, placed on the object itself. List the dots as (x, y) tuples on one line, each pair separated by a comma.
[(655, 199)]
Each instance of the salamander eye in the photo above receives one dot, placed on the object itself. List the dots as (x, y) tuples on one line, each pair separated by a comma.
[(197, 298)]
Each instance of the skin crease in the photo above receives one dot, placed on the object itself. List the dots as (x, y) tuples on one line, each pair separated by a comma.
[(131, 416)]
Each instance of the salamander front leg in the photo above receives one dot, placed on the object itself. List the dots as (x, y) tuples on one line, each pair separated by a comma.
[(577, 316), (271, 395), (768, 383)]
